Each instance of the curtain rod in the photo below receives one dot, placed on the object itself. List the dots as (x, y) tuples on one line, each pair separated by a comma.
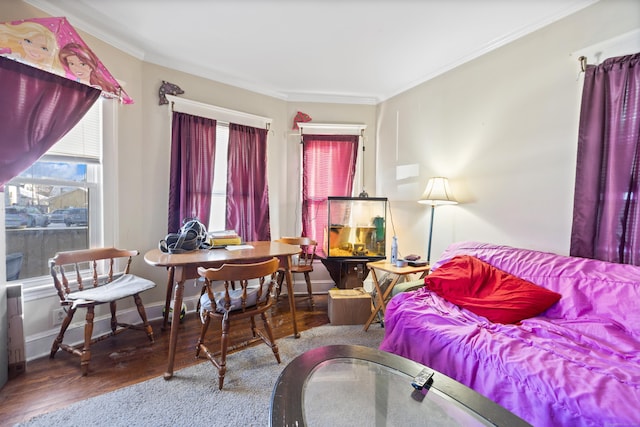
[(184, 105), (583, 63), (332, 128)]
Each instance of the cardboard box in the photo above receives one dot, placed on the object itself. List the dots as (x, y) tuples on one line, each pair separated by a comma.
[(349, 306)]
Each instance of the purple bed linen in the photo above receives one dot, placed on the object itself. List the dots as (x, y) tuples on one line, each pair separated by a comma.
[(577, 364)]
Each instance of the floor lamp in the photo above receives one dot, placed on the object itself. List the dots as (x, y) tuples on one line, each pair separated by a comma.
[(436, 193)]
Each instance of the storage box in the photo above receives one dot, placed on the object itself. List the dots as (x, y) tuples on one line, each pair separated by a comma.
[(349, 306)]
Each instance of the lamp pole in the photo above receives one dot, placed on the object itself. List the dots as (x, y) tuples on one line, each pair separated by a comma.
[(433, 211)]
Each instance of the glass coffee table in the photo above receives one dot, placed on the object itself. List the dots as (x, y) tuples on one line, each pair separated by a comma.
[(345, 385)]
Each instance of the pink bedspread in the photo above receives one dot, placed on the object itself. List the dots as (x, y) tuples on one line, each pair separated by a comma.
[(577, 364)]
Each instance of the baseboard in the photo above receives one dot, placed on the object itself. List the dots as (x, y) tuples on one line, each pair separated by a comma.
[(39, 345)]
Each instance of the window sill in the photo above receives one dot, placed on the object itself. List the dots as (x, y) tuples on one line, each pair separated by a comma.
[(36, 289)]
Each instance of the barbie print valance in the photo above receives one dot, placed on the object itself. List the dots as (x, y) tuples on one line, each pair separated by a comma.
[(53, 45)]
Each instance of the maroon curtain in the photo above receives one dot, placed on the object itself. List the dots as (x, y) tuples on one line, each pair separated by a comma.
[(37, 108), (606, 215), (193, 142), (247, 189), (328, 167)]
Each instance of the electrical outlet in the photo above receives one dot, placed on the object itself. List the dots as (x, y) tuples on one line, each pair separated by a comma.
[(57, 316)]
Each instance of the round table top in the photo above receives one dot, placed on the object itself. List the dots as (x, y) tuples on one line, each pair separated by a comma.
[(245, 252)]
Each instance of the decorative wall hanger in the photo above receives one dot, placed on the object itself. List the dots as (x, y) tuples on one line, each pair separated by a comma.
[(168, 89), (300, 118)]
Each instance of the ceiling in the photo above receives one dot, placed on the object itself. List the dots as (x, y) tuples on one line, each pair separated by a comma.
[(351, 51)]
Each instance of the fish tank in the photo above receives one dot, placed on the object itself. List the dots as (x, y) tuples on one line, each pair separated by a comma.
[(356, 228)]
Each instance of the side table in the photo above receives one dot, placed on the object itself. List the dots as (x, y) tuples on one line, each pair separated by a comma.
[(380, 298)]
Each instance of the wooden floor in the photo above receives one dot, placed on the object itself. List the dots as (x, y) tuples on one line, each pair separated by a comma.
[(129, 358)]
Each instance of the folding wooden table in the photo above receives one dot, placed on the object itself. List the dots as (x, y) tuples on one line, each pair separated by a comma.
[(381, 297)]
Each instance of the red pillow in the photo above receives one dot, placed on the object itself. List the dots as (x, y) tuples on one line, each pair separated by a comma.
[(487, 291)]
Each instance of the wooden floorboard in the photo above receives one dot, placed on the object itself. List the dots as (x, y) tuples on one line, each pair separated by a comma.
[(50, 384)]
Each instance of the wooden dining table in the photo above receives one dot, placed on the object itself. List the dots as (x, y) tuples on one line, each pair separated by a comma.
[(181, 267)]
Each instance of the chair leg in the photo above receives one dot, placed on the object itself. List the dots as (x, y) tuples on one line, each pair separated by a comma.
[(279, 280), (85, 356), (143, 316), (269, 332), (224, 343), (309, 291), (63, 328), (202, 291), (114, 320), (203, 332), (252, 320)]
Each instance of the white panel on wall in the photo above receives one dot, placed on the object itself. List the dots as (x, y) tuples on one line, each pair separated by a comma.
[(407, 171)]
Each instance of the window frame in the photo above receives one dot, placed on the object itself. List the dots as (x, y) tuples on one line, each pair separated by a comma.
[(222, 116), (101, 193), (334, 130)]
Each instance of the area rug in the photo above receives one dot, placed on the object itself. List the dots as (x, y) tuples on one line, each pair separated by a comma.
[(192, 398)]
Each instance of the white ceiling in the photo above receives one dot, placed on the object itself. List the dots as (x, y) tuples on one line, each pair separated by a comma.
[(356, 51)]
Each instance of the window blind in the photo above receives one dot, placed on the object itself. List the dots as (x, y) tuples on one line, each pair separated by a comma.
[(84, 141)]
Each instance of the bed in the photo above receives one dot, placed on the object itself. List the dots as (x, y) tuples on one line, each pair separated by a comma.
[(572, 361)]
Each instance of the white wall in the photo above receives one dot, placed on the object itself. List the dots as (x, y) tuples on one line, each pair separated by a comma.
[(503, 128)]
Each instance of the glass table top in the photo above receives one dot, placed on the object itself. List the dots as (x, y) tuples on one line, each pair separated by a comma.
[(348, 391), (350, 385)]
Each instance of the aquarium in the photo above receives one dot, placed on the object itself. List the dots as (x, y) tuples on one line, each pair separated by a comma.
[(356, 227)]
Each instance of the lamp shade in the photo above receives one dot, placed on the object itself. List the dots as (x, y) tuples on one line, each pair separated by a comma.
[(438, 192)]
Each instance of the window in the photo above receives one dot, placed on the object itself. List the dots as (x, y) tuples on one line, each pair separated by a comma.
[(218, 213), (329, 163), (56, 204), (222, 116), (606, 214)]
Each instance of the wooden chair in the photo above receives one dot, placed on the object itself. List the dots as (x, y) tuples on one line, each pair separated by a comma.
[(247, 301), (91, 277), (304, 264)]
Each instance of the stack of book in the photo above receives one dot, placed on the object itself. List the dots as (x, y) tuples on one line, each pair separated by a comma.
[(224, 238)]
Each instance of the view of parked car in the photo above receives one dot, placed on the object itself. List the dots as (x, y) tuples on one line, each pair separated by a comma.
[(77, 216), (36, 217), (15, 217), (24, 216), (58, 216)]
